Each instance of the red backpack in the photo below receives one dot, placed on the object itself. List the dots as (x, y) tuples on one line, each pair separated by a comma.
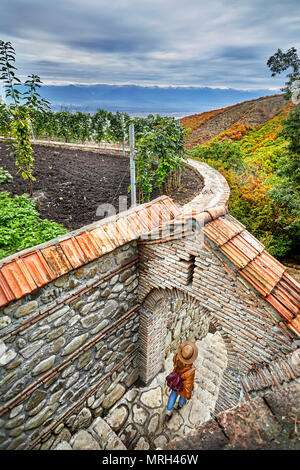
[(174, 381)]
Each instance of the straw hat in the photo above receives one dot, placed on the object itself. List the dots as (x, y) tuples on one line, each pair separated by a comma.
[(187, 352)]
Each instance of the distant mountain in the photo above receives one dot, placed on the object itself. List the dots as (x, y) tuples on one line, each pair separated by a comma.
[(231, 122), (141, 100)]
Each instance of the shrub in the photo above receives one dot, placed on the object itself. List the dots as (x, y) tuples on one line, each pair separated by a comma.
[(21, 226)]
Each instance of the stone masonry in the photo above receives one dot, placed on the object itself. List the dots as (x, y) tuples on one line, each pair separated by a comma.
[(85, 316), (136, 421), (76, 356)]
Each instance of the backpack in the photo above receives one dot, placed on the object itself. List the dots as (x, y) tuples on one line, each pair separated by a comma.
[(174, 381)]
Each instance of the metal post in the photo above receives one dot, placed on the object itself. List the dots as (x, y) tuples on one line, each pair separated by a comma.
[(123, 140), (132, 166), (32, 132)]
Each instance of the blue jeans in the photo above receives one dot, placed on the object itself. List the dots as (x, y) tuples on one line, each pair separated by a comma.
[(172, 399)]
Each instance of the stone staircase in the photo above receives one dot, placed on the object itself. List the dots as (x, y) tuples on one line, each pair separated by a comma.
[(136, 421)]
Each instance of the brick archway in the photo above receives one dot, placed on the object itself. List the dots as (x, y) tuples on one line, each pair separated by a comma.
[(168, 317)]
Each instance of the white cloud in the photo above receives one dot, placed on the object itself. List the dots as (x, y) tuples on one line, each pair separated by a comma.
[(220, 43)]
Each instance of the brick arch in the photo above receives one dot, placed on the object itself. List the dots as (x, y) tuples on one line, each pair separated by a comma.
[(168, 317)]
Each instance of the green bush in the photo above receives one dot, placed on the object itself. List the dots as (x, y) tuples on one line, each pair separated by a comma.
[(5, 176), (21, 226), (217, 154)]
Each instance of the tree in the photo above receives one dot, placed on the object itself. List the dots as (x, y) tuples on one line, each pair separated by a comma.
[(282, 61), (21, 110), (286, 192), (160, 154)]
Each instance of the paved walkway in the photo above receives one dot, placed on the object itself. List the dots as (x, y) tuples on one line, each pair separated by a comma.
[(137, 420)]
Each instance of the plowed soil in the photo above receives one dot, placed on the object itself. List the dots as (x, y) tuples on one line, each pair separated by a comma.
[(71, 184)]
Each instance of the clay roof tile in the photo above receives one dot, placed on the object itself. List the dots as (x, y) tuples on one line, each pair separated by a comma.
[(18, 278), (39, 269), (102, 240), (57, 260), (294, 325), (6, 295), (223, 229), (73, 252), (88, 246)]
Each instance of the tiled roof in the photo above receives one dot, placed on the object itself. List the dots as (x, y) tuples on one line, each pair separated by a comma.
[(267, 275), (30, 269)]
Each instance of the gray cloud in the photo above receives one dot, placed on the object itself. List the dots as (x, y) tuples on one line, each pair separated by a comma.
[(170, 42)]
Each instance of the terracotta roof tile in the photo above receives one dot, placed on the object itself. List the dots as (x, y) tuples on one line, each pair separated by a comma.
[(259, 268), (294, 325), (203, 218), (164, 211), (291, 286), (155, 216), (73, 252), (102, 240), (286, 299), (144, 217), (57, 260), (125, 229), (217, 211), (18, 278), (252, 241), (172, 208), (111, 233), (145, 220), (223, 229), (39, 269), (284, 312), (136, 224), (242, 249), (88, 246), (264, 272), (6, 294)]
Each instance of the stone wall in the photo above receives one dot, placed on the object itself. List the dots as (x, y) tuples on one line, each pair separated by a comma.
[(71, 350), (252, 330), (68, 351)]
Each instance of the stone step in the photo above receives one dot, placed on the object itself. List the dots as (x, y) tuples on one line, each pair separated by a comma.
[(105, 436), (214, 366)]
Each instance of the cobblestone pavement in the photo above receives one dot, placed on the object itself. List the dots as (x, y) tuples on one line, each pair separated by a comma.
[(136, 421)]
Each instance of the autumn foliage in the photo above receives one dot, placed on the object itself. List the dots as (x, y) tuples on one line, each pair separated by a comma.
[(250, 160)]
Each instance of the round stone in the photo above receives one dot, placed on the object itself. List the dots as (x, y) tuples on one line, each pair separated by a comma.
[(83, 440), (175, 422), (63, 445), (139, 414), (117, 417), (4, 321), (153, 424), (160, 442), (131, 395), (152, 398), (142, 444), (114, 396)]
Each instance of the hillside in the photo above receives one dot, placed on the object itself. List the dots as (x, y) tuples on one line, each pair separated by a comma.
[(244, 143), (232, 121)]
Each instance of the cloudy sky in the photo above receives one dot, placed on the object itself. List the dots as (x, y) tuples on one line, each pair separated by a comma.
[(216, 43)]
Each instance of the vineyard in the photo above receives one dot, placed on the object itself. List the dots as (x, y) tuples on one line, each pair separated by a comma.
[(69, 188), (68, 185)]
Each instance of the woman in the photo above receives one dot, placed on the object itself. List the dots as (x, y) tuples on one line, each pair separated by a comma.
[(183, 360)]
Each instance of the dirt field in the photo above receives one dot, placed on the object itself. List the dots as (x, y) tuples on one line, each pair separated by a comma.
[(71, 184)]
